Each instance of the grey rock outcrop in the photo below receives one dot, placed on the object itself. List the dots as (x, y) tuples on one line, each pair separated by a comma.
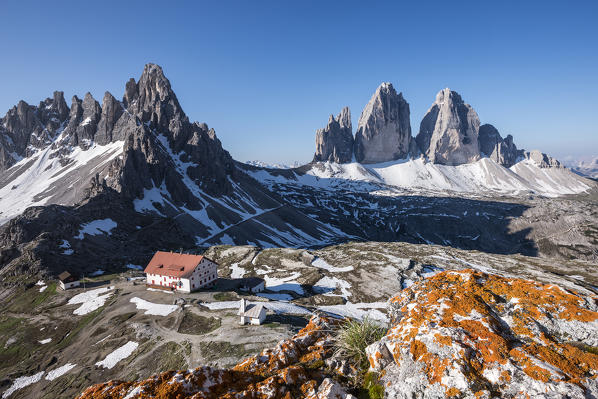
[(26, 128), (335, 142), (502, 151), (112, 109), (540, 159), (384, 130), (448, 133), (89, 123)]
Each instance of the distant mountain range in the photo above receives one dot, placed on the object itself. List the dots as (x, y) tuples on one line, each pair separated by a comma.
[(585, 168), (160, 181)]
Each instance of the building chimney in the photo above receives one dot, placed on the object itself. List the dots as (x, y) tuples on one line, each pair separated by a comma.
[(242, 306)]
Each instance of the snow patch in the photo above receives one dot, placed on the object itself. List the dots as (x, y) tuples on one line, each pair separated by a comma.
[(22, 382), (90, 300), (322, 264), (118, 354), (236, 271), (155, 309), (96, 227), (54, 374)]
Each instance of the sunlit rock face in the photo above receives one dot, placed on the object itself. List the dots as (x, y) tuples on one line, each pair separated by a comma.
[(384, 130), (334, 143), (471, 334), (448, 134)]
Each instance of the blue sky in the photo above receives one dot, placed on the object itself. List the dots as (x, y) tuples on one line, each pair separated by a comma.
[(266, 74)]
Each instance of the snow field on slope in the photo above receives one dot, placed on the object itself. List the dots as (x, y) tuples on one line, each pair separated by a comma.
[(53, 374), (418, 175), (22, 382), (284, 283), (118, 354), (45, 171)]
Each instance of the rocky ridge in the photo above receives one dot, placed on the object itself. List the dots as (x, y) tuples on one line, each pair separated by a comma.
[(26, 128), (450, 134), (473, 334)]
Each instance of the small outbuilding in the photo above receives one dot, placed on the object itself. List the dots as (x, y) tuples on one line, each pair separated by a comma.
[(68, 280), (253, 284), (253, 314)]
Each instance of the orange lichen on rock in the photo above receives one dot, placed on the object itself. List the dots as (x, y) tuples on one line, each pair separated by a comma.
[(469, 330), (274, 373)]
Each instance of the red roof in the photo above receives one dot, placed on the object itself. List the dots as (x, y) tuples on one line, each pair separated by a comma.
[(173, 264)]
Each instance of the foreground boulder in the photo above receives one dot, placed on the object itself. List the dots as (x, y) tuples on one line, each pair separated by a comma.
[(471, 334), (290, 370)]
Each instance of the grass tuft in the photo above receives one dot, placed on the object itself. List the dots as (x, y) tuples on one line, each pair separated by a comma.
[(354, 336)]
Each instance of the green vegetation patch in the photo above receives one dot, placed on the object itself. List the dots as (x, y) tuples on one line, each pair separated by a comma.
[(225, 296), (171, 357), (371, 388), (197, 325), (28, 300), (215, 350), (83, 322), (353, 336)]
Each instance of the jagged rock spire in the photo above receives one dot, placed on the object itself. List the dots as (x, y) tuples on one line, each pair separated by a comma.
[(448, 133), (151, 99), (111, 112), (384, 130), (335, 142)]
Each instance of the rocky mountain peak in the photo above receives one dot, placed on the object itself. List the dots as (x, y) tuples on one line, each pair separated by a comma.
[(152, 99), (335, 142), (384, 130), (449, 131), (447, 94)]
